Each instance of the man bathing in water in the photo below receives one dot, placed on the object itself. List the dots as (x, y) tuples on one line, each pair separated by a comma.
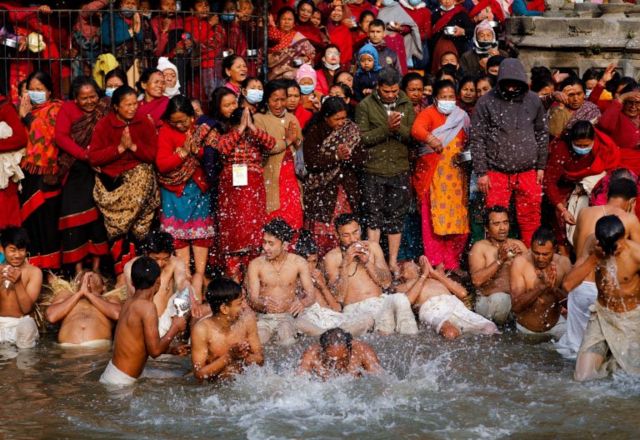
[(536, 293), (87, 317), (272, 281), (438, 299), (20, 285), (326, 312), (223, 344), (490, 262), (580, 281), (136, 337), (358, 274), (337, 354), (611, 338)]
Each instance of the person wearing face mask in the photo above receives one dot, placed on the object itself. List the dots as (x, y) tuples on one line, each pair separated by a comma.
[(508, 142), (576, 163), (442, 130), (307, 79), (252, 92), (340, 36), (451, 31), (40, 195), (485, 45), (330, 67), (112, 80)]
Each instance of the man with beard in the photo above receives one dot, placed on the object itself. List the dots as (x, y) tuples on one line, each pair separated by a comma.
[(536, 293), (489, 264), (358, 274), (272, 281), (508, 142)]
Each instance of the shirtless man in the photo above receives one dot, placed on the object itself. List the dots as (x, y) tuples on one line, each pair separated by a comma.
[(536, 292), (438, 299), (158, 246), (326, 312), (136, 336), (490, 262), (580, 282), (20, 285), (611, 338), (337, 354), (223, 344), (358, 273), (87, 317), (272, 281)]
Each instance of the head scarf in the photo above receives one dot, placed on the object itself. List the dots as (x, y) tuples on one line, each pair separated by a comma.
[(164, 64), (368, 49)]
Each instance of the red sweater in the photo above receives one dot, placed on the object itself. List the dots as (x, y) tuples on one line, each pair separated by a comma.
[(167, 160), (103, 149), (422, 17), (68, 114), (9, 115), (340, 36), (619, 126)]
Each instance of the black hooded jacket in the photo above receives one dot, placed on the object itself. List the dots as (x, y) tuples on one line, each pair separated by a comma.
[(509, 136)]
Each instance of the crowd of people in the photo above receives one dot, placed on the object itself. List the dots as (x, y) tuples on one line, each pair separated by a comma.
[(399, 166)]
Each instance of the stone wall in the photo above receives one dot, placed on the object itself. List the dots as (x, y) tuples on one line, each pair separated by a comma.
[(569, 41)]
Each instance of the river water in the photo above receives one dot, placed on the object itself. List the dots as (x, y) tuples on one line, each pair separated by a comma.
[(503, 386)]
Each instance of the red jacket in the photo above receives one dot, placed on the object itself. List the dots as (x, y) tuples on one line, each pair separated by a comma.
[(68, 114), (103, 149), (340, 36), (169, 140), (9, 115)]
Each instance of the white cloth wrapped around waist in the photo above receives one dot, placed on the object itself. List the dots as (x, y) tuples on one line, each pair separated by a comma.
[(23, 332), (322, 317), (436, 310), (164, 320), (113, 376)]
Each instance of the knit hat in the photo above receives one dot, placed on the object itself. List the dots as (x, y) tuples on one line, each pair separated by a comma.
[(164, 64), (368, 49), (483, 48), (306, 71)]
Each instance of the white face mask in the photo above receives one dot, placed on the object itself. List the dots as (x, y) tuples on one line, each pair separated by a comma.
[(109, 91), (331, 66), (445, 107), (254, 96), (37, 97), (446, 9)]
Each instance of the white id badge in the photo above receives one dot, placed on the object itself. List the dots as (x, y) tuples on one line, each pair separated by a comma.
[(240, 175)]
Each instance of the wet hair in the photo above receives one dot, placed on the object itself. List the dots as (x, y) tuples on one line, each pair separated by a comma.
[(571, 80), (120, 93), (364, 14), (336, 336), (443, 84), (157, 242), (625, 189), (591, 73), (144, 273), (494, 209), (609, 229), (344, 219), (146, 76), (117, 73), (279, 229), (623, 173), (411, 76), (43, 77), (269, 89), (388, 76), (79, 82), (216, 100), (227, 62), (582, 130), (542, 235), (283, 10), (179, 103), (14, 236), (378, 23), (221, 291), (306, 245)]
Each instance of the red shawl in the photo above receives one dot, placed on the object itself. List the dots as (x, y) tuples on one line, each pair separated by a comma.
[(606, 158), (444, 20), (498, 13)]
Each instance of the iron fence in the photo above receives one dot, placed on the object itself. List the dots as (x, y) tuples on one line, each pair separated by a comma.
[(71, 42)]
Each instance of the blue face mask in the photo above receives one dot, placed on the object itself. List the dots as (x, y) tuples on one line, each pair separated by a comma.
[(415, 2), (227, 17), (307, 89), (446, 107), (36, 96), (109, 91), (388, 2), (254, 96), (581, 151)]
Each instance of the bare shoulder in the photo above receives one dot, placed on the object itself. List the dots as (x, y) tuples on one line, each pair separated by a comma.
[(256, 263), (479, 247), (519, 243), (297, 259), (33, 272), (634, 248), (562, 262), (520, 262), (332, 256), (201, 329)]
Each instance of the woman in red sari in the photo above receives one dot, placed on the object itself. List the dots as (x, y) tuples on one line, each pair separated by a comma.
[(153, 102), (288, 48), (621, 121), (304, 11)]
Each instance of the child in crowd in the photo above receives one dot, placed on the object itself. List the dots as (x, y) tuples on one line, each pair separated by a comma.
[(366, 77)]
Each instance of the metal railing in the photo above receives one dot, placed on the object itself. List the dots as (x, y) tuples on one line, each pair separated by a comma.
[(69, 42)]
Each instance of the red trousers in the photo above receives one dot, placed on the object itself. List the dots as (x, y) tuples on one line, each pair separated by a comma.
[(528, 197)]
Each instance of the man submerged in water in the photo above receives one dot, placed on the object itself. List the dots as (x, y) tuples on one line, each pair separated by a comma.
[(87, 317), (337, 354), (612, 337), (536, 293), (20, 285), (136, 336), (358, 273), (489, 264), (223, 344), (272, 281)]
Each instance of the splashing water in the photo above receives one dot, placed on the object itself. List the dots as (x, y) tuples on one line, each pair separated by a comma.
[(474, 387), (612, 270)]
